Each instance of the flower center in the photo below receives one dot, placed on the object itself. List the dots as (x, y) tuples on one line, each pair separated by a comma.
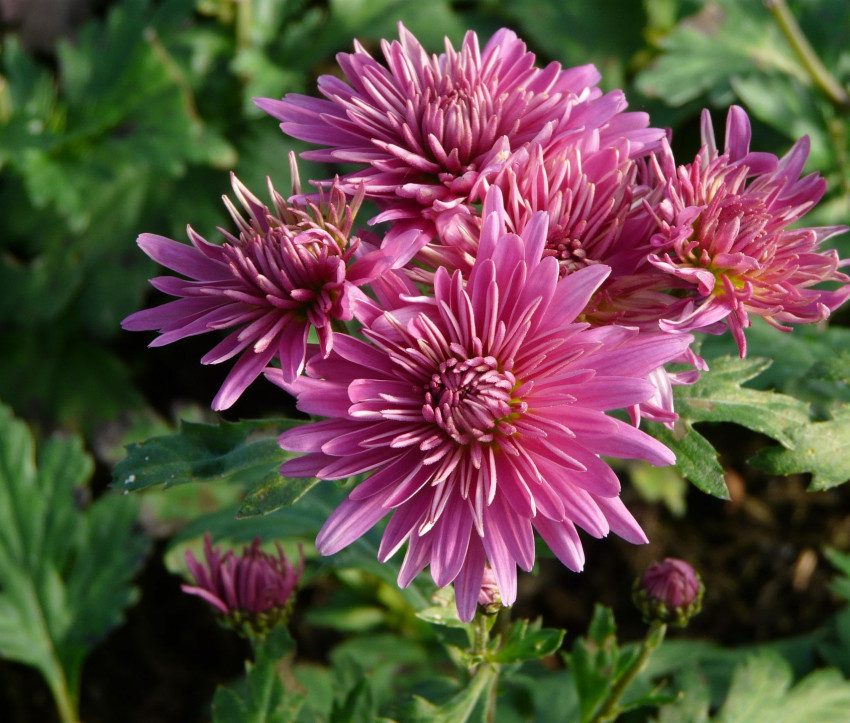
[(470, 399), (569, 252), (291, 274)]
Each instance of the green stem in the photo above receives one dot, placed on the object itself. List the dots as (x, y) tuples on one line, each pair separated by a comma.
[(63, 698), (244, 21), (811, 62), (611, 705), (481, 637)]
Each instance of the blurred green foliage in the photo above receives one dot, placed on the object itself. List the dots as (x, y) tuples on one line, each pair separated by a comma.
[(132, 124)]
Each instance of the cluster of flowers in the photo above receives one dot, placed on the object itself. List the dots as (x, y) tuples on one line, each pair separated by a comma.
[(543, 258)]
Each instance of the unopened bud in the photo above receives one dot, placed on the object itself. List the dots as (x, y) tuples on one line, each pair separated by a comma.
[(669, 592), (252, 592), (489, 598)]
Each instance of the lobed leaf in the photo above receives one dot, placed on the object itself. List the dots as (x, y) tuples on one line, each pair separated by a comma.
[(65, 573), (819, 448), (205, 453)]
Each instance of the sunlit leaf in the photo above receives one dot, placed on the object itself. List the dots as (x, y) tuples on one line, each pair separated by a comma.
[(762, 692), (819, 448)]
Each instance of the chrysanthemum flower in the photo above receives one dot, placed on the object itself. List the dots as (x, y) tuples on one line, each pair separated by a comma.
[(725, 234), (480, 414), (428, 127), (290, 269), (253, 591)]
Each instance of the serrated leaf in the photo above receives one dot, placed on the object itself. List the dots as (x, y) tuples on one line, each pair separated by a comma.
[(64, 572), (761, 692), (268, 693), (205, 453), (528, 642), (819, 448), (696, 458), (725, 39), (719, 396)]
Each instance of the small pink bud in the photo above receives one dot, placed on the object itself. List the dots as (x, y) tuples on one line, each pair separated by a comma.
[(489, 597), (669, 592), (252, 592)]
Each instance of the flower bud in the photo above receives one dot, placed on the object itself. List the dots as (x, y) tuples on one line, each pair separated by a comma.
[(489, 598), (669, 592), (252, 592)]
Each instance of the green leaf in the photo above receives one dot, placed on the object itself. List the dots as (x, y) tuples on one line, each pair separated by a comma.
[(269, 693), (64, 572), (593, 661), (719, 397), (205, 453), (840, 561), (274, 493), (528, 642), (461, 707), (819, 448), (662, 484), (592, 38), (761, 692), (790, 107), (725, 39), (696, 458)]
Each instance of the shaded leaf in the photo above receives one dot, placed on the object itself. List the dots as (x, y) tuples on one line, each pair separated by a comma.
[(64, 572), (464, 706), (204, 453), (528, 642), (267, 694)]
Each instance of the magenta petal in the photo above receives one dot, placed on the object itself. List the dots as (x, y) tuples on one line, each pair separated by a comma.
[(245, 371), (348, 522), (181, 258), (468, 580)]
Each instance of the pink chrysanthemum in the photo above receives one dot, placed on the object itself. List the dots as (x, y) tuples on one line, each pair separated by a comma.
[(290, 269), (253, 591), (480, 413), (427, 127), (725, 235)]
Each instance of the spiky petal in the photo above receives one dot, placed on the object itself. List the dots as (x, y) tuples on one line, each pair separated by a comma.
[(427, 128), (480, 414), (290, 268), (725, 235)]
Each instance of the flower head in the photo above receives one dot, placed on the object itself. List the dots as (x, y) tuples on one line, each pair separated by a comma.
[(725, 235), (290, 269), (669, 592), (253, 591), (429, 127), (480, 413)]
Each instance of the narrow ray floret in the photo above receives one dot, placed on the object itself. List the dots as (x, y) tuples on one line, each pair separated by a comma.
[(480, 413), (290, 268), (726, 235), (427, 128)]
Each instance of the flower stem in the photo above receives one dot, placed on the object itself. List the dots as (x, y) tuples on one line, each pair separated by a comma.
[(611, 705), (64, 699), (811, 62)]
